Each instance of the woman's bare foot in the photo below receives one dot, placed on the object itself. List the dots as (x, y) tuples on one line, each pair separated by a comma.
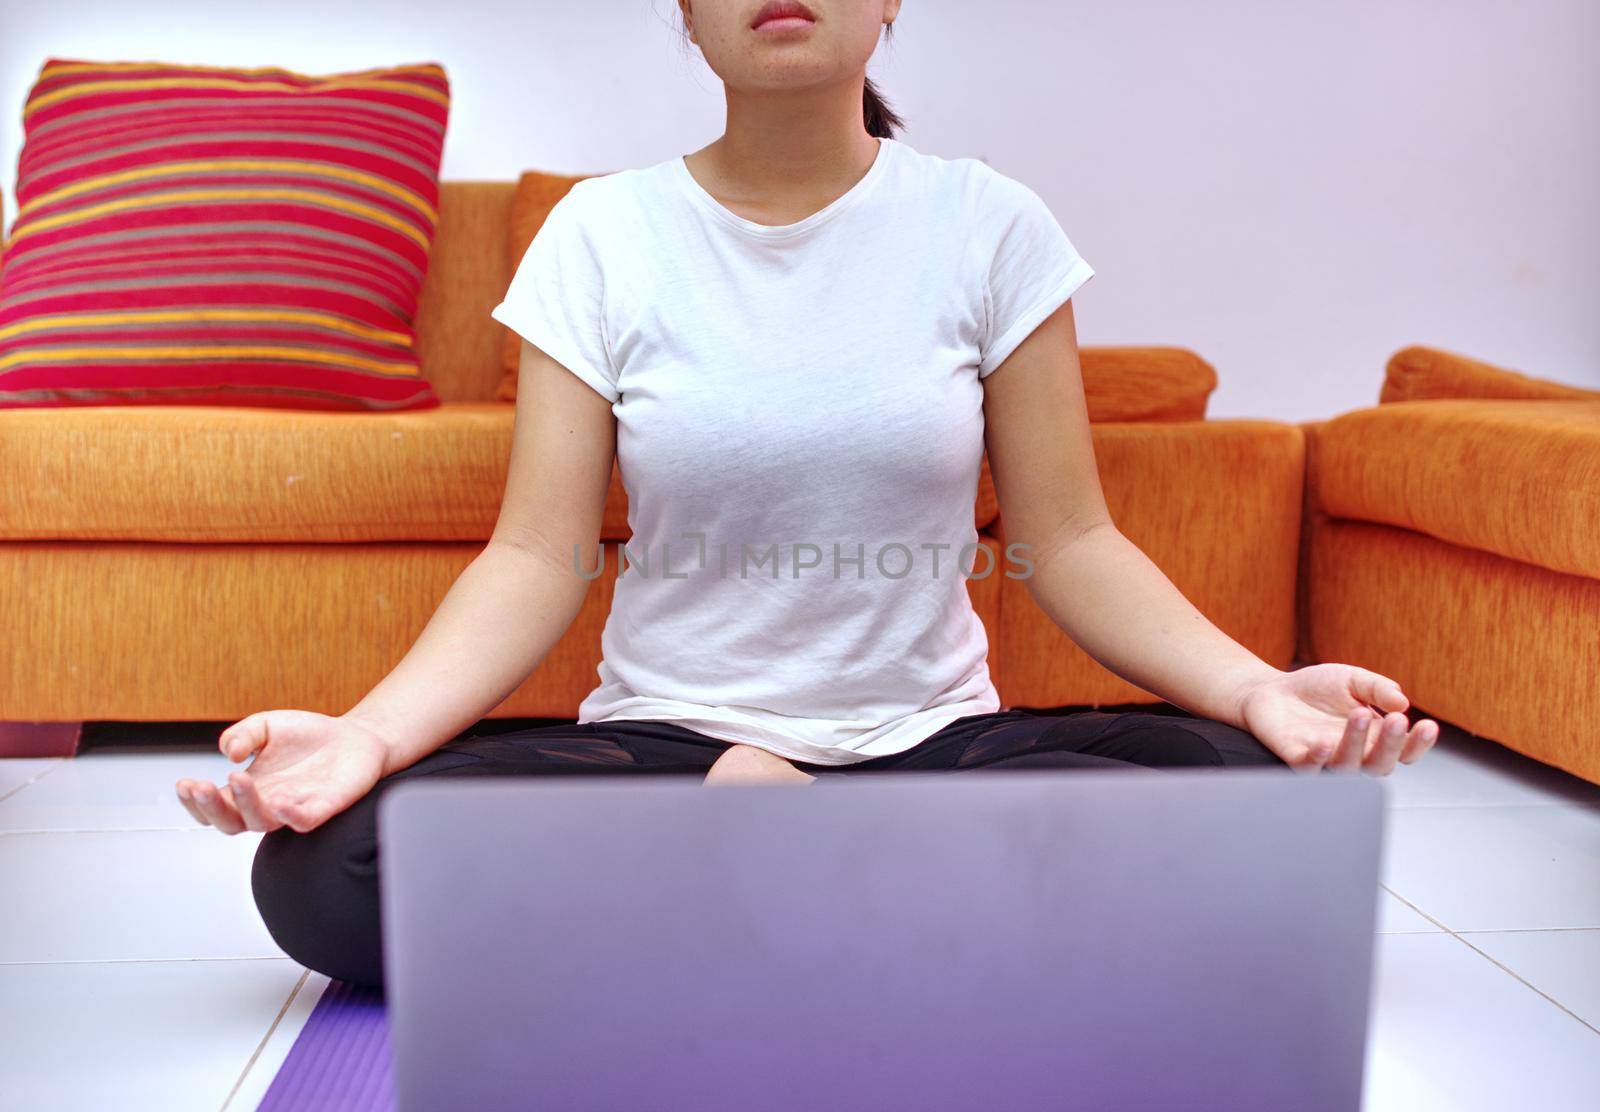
[(745, 764)]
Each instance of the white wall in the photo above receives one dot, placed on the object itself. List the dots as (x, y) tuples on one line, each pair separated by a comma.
[(1295, 190)]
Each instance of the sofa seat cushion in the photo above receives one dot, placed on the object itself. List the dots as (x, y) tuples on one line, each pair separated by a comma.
[(241, 474), (1519, 479), (236, 473)]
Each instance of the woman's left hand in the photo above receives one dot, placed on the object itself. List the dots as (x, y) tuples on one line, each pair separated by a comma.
[(1321, 716)]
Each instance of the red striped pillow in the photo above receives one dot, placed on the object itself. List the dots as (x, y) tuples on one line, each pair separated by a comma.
[(193, 235)]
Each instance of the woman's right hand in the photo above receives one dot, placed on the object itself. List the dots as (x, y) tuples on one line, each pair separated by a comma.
[(308, 767)]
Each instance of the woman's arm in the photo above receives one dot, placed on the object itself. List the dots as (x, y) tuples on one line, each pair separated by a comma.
[(503, 613), (1122, 610), (511, 605)]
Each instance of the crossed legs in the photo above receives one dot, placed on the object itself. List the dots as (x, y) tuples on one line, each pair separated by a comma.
[(318, 892)]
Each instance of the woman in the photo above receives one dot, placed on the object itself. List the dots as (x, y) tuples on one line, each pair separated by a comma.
[(797, 340)]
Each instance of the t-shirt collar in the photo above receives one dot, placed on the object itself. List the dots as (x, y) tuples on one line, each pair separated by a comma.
[(847, 199)]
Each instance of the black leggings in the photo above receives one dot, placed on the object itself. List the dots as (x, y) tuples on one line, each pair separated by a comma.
[(318, 892)]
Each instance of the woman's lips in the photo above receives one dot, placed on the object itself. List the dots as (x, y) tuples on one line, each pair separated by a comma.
[(783, 15), (784, 23)]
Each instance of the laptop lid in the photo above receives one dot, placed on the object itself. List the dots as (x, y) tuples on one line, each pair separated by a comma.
[(1011, 940)]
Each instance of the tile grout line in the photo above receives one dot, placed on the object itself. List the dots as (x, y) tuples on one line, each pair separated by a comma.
[(1415, 908), (140, 961), (1506, 969), (262, 1045), (1581, 805), (195, 828), (59, 761), (1515, 975)]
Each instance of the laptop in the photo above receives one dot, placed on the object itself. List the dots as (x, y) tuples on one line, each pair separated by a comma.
[(1002, 940)]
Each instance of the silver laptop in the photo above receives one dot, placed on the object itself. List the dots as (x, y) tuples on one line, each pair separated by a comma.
[(1001, 940)]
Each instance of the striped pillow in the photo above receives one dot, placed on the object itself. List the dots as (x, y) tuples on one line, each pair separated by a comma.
[(192, 235)]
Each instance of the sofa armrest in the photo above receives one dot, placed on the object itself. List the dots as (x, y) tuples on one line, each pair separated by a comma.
[(1217, 506), (1516, 479), (1419, 373)]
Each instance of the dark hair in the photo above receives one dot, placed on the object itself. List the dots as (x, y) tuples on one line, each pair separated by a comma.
[(881, 120)]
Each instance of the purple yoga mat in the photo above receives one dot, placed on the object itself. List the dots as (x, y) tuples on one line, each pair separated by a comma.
[(341, 1059)]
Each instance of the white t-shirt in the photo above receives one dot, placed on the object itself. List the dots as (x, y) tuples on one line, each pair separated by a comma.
[(800, 433)]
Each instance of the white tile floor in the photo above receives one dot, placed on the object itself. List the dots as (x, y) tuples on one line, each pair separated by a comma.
[(135, 974)]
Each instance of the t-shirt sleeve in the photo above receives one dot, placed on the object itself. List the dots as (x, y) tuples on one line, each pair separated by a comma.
[(556, 297), (1034, 269)]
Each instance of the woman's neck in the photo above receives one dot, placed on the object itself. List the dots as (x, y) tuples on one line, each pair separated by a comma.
[(786, 151)]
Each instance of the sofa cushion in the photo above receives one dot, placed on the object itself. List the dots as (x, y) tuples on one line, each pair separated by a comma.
[(1521, 479), (1145, 383), (1418, 372), (1128, 383), (537, 193), (457, 340), (1216, 505), (235, 474), (194, 235)]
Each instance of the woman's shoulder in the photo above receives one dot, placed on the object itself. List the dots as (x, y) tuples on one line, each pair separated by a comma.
[(614, 184), (599, 191), (970, 182), (603, 206)]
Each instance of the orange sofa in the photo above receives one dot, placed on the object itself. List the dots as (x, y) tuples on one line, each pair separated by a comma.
[(169, 563), (1452, 539)]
